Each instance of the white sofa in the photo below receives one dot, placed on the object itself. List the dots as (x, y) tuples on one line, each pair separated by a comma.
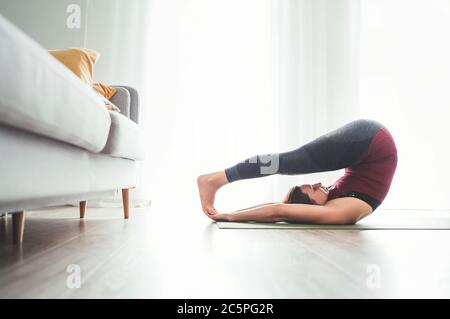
[(58, 142)]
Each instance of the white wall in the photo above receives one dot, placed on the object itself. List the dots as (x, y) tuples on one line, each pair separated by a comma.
[(108, 26), (45, 21)]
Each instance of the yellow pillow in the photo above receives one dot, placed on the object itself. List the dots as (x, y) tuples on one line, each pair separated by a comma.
[(105, 90), (81, 62)]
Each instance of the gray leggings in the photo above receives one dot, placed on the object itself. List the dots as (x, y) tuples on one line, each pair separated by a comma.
[(338, 149)]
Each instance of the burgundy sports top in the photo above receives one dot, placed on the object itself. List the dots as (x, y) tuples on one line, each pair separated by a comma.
[(371, 178)]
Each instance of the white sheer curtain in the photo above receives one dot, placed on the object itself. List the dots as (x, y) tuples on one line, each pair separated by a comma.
[(405, 82), (231, 79), (222, 80), (209, 92), (316, 62)]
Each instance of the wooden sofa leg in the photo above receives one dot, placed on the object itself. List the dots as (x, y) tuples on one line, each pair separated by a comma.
[(126, 202), (18, 221), (83, 208)]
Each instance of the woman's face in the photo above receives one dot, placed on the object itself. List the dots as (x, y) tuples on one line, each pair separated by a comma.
[(316, 193)]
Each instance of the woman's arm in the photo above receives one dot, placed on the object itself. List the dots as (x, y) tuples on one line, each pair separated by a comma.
[(256, 206), (278, 212), (265, 213), (339, 213), (244, 209)]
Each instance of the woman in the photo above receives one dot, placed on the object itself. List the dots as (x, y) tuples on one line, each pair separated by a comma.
[(365, 149)]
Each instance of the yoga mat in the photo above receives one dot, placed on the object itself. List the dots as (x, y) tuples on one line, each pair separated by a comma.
[(401, 221)]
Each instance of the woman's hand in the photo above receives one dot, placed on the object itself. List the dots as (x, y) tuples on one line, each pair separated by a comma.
[(221, 217), (216, 216)]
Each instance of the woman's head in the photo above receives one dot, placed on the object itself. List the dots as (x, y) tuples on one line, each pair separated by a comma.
[(308, 194)]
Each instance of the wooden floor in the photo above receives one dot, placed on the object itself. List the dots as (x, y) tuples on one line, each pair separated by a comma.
[(162, 253)]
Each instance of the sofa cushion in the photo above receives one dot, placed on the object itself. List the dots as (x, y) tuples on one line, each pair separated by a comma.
[(40, 95), (125, 138), (104, 89)]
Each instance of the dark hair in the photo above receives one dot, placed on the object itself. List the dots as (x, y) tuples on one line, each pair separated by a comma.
[(298, 197)]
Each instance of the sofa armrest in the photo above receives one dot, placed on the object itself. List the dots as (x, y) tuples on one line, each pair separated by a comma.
[(127, 100)]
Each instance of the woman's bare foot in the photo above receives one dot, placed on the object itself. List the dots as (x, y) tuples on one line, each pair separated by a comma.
[(208, 185)]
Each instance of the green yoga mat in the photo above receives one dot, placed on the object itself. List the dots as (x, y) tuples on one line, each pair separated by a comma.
[(398, 221)]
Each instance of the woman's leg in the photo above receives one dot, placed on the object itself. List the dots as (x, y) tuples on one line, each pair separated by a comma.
[(336, 150)]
